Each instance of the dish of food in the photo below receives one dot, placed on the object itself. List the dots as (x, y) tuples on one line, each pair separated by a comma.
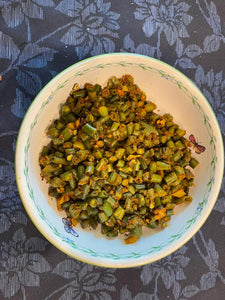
[(174, 94), (113, 160)]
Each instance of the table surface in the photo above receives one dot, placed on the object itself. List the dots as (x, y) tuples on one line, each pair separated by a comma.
[(40, 38)]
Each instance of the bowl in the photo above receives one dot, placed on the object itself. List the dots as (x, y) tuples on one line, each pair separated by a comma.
[(173, 93)]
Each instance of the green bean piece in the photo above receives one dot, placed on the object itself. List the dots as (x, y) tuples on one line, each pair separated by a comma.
[(144, 165), (141, 200), (132, 190), (111, 201), (93, 223), (71, 117), (159, 190), (84, 223), (85, 191), (99, 201), (188, 174), (150, 107), (163, 139), (179, 170), (137, 231), (103, 111), (65, 112), (107, 209), (78, 94), (193, 163), (90, 170), (98, 154), (157, 202), (88, 129), (163, 166), (109, 168), (179, 145), (74, 211), (112, 233), (83, 215), (57, 141), (53, 132), (171, 144), (102, 217), (152, 224), (66, 205), (66, 176), (149, 129), (84, 180), (180, 132), (101, 164), (59, 160), (153, 167), (130, 128), (80, 171), (45, 151), (56, 182), (84, 137), (120, 163), (78, 145), (143, 210), (128, 205), (169, 212), (119, 153), (170, 178), (112, 177), (139, 173), (93, 203), (129, 150), (49, 169), (103, 194), (66, 134), (139, 186), (156, 178), (177, 155), (69, 151), (103, 119), (151, 193), (166, 199), (114, 126), (119, 213)]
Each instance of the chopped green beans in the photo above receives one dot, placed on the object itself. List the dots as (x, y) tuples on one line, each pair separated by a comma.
[(87, 128), (114, 161), (163, 166), (119, 213), (103, 111), (107, 209), (193, 163), (170, 178), (156, 178)]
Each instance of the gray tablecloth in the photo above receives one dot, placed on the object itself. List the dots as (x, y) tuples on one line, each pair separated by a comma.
[(40, 38)]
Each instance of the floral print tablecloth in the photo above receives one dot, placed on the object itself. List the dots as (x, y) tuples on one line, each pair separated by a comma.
[(40, 38)]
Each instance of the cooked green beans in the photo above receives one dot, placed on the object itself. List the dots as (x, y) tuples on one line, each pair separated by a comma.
[(113, 160)]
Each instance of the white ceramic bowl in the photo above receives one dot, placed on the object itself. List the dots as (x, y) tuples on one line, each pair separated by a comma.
[(173, 93)]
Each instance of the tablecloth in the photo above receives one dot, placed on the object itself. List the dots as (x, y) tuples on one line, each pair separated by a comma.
[(40, 38)]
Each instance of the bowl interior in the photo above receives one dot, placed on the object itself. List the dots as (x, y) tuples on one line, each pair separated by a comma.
[(173, 93)]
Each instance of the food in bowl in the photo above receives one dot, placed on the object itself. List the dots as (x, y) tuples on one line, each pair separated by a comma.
[(114, 161)]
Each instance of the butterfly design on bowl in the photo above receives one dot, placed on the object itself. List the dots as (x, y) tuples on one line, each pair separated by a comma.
[(69, 227), (198, 148)]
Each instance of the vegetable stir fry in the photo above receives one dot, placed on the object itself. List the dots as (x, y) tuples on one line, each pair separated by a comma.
[(113, 160)]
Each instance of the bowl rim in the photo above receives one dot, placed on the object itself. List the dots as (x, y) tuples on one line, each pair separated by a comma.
[(111, 264)]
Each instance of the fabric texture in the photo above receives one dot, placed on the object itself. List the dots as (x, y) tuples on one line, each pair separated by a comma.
[(40, 38)]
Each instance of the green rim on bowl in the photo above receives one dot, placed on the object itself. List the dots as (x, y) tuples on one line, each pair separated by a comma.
[(22, 169)]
